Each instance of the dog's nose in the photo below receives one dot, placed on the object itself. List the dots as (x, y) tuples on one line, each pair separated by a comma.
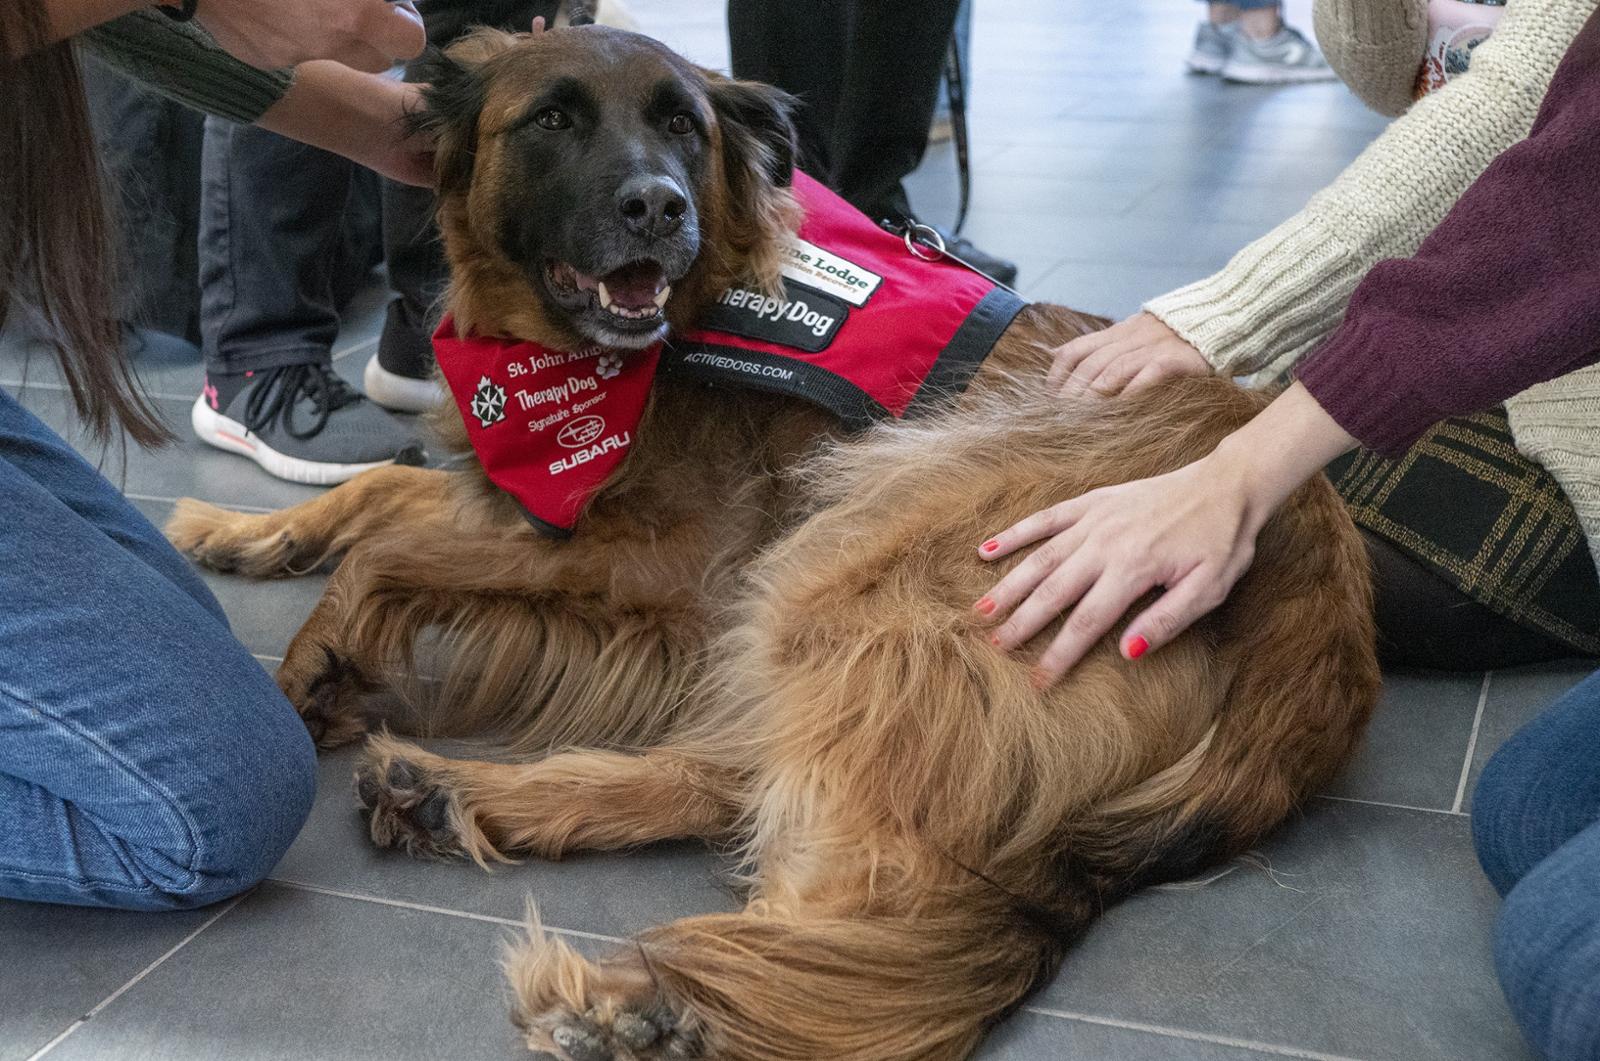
[(653, 206)]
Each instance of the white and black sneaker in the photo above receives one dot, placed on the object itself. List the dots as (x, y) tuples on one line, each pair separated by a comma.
[(402, 391), (1213, 43), (301, 423), (1285, 58)]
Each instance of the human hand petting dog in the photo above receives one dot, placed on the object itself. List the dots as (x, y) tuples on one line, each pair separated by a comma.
[(1124, 358), (1190, 533), (360, 116)]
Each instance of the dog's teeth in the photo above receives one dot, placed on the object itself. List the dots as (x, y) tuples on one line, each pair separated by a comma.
[(661, 297), (605, 296)]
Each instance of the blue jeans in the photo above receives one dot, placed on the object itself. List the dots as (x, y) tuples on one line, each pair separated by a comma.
[(147, 760), (1536, 825)]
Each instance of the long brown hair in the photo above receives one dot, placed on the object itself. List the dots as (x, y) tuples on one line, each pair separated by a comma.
[(55, 234)]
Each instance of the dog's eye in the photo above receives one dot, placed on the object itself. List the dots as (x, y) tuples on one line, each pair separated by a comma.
[(681, 124), (553, 118)]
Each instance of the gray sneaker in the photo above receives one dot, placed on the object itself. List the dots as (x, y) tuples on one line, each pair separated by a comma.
[(302, 423), (1284, 58), (1213, 43)]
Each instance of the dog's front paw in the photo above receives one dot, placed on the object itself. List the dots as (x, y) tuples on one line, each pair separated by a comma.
[(407, 806), (325, 689)]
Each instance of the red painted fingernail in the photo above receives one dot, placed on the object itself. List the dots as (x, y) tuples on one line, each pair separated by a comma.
[(1137, 647), (1040, 679), (985, 606), (994, 639), (991, 545)]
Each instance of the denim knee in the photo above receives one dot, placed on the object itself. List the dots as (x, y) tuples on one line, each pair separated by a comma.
[(1547, 954), (238, 832), (255, 831), (1498, 804)]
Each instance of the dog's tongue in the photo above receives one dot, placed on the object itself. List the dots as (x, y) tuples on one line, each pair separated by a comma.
[(635, 286)]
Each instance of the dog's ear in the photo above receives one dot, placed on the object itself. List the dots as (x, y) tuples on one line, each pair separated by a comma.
[(453, 96), (758, 154), (758, 131)]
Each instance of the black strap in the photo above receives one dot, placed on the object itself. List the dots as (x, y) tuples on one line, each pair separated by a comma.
[(954, 368), (956, 89)]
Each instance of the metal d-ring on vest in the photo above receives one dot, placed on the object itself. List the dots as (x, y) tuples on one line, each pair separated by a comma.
[(924, 242)]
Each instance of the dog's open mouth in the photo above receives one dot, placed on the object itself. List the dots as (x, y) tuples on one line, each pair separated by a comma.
[(634, 296)]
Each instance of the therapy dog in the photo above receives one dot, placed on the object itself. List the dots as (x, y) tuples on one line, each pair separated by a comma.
[(760, 632)]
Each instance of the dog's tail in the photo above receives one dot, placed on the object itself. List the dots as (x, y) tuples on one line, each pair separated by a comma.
[(1299, 641), (751, 986)]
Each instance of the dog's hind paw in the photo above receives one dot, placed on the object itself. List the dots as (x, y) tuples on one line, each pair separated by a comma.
[(229, 542), (610, 1033), (408, 806), (570, 1008)]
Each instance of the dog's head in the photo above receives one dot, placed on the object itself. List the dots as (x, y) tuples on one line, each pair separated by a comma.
[(596, 187)]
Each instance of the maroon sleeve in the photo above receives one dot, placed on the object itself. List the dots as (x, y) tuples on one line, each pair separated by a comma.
[(1505, 293)]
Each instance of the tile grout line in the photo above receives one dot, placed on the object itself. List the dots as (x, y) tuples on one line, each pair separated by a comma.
[(1472, 742), (46, 385), (1179, 1033), (403, 904), (1393, 806), (125, 988)]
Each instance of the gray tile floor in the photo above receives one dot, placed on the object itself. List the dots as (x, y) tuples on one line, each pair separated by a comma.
[(1361, 931)]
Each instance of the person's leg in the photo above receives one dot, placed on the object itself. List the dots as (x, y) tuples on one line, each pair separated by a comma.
[(1540, 789), (803, 53), (890, 85), (146, 759), (44, 457), (1547, 951), (1259, 19), (868, 73), (1213, 39), (270, 232), (1536, 827), (1424, 621), (1264, 51), (269, 227), (150, 148), (399, 375)]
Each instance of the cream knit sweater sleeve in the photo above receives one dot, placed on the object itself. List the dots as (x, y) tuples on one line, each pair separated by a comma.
[(1283, 293)]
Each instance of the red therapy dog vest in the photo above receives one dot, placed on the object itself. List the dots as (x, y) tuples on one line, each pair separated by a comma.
[(864, 328)]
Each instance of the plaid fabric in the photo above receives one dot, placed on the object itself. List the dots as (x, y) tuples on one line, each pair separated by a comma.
[(1487, 520)]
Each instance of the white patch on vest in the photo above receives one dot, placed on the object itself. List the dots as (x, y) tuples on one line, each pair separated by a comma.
[(826, 271)]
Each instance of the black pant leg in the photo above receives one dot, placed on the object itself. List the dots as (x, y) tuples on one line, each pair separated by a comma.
[(1423, 621), (270, 232), (867, 72), (417, 276), (150, 147), (417, 268), (897, 51), (801, 48)]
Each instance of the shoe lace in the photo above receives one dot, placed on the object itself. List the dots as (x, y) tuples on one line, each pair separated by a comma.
[(278, 395)]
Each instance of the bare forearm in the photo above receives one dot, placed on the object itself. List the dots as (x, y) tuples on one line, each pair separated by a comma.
[(1291, 440), (360, 116)]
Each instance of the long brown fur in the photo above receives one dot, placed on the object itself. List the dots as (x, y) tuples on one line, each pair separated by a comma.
[(761, 636)]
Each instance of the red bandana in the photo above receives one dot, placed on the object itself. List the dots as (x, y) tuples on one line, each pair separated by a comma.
[(864, 328)]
